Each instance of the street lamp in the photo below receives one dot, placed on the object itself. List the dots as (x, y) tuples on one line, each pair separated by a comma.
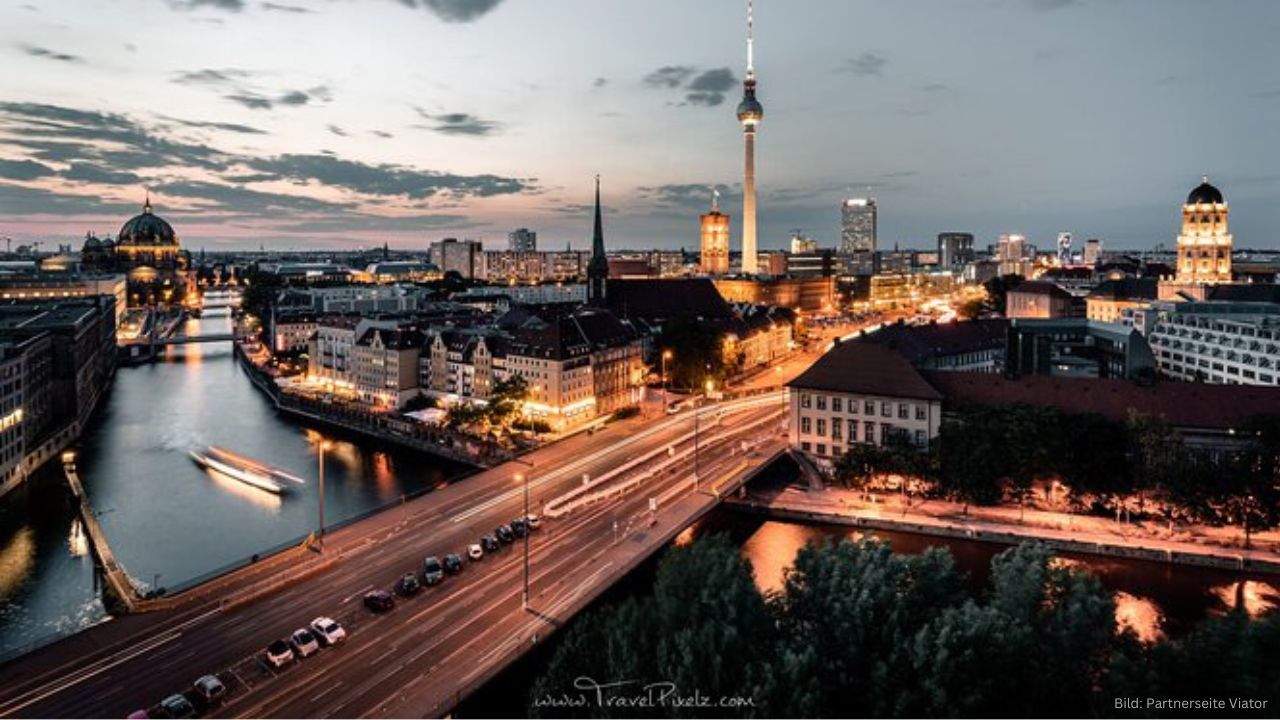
[(666, 356), (324, 445), (524, 596)]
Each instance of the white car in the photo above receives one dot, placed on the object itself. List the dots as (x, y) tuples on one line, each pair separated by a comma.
[(474, 551), (328, 630), (304, 642), (279, 654), (533, 521)]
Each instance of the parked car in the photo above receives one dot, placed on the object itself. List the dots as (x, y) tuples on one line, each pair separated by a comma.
[(328, 631), (210, 689), (177, 706), (518, 528), (138, 715), (408, 585), (489, 544), (533, 521), (304, 642), (432, 571), (452, 564), (475, 552), (504, 534), (379, 600), (279, 653)]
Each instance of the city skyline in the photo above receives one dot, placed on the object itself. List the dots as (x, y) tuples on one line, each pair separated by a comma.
[(243, 144)]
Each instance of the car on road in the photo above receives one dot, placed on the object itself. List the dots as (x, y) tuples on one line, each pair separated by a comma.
[(408, 585), (533, 521), (379, 600), (177, 706), (518, 528), (489, 544), (328, 631), (474, 552), (452, 564), (210, 689), (279, 654), (504, 534), (432, 571), (304, 642)]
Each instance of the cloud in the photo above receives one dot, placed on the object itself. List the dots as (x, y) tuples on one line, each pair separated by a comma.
[(229, 127), (708, 89), (294, 97), (385, 179), (87, 172), (24, 169), (40, 52), (17, 200), (212, 76), (253, 102), (669, 76), (337, 131), (277, 7), (865, 65), (933, 88), (382, 134), (290, 98), (1051, 4), (455, 11), (228, 5), (460, 124), (599, 82), (687, 197)]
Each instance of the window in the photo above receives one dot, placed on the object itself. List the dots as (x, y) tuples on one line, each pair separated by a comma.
[(853, 431), (837, 405), (869, 432), (822, 427), (806, 446), (822, 449), (920, 439), (822, 402), (869, 407), (804, 400), (886, 409), (921, 413), (904, 411), (835, 429), (853, 406), (804, 425)]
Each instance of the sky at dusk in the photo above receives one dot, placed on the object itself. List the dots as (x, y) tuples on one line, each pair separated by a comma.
[(347, 123)]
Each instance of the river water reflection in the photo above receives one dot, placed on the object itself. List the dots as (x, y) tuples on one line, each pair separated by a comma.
[(168, 520)]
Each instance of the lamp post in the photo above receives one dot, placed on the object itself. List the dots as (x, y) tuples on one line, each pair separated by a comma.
[(324, 445), (666, 356), (524, 597)]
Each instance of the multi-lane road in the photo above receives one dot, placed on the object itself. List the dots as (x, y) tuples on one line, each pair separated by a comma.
[(432, 649)]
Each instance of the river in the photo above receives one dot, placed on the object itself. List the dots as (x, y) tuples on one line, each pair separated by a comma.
[(168, 520)]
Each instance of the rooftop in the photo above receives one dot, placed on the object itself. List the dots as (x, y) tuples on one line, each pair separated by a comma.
[(857, 367)]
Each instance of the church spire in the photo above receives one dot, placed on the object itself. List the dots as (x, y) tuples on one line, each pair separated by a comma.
[(598, 268), (146, 205)]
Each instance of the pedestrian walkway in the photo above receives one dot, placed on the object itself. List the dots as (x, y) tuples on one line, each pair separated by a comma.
[(1193, 545)]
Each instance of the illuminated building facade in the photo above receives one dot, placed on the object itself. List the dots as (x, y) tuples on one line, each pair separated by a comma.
[(714, 225), (1204, 245), (858, 226)]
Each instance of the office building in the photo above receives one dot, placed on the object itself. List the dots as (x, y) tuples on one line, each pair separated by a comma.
[(858, 225), (1223, 341), (522, 240), (802, 244), (1204, 245), (1092, 251), (458, 256)]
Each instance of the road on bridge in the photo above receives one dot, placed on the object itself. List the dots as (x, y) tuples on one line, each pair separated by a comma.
[(431, 650)]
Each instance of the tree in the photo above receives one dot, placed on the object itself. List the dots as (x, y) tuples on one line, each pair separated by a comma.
[(859, 465), (506, 400), (1248, 492), (844, 610), (972, 309), (972, 457), (705, 628), (696, 352), (1101, 469), (466, 414), (998, 291)]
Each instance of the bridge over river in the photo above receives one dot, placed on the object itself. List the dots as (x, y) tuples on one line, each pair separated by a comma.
[(432, 650)]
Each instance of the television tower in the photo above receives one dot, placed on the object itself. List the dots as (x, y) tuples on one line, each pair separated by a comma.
[(750, 112)]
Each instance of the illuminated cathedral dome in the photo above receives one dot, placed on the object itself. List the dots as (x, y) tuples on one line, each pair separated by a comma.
[(1205, 194), (147, 229)]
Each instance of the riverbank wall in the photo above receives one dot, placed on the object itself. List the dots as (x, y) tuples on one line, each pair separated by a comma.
[(450, 446), (794, 509)]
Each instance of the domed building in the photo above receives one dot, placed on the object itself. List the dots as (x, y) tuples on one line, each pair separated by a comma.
[(147, 251), (1204, 245)]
